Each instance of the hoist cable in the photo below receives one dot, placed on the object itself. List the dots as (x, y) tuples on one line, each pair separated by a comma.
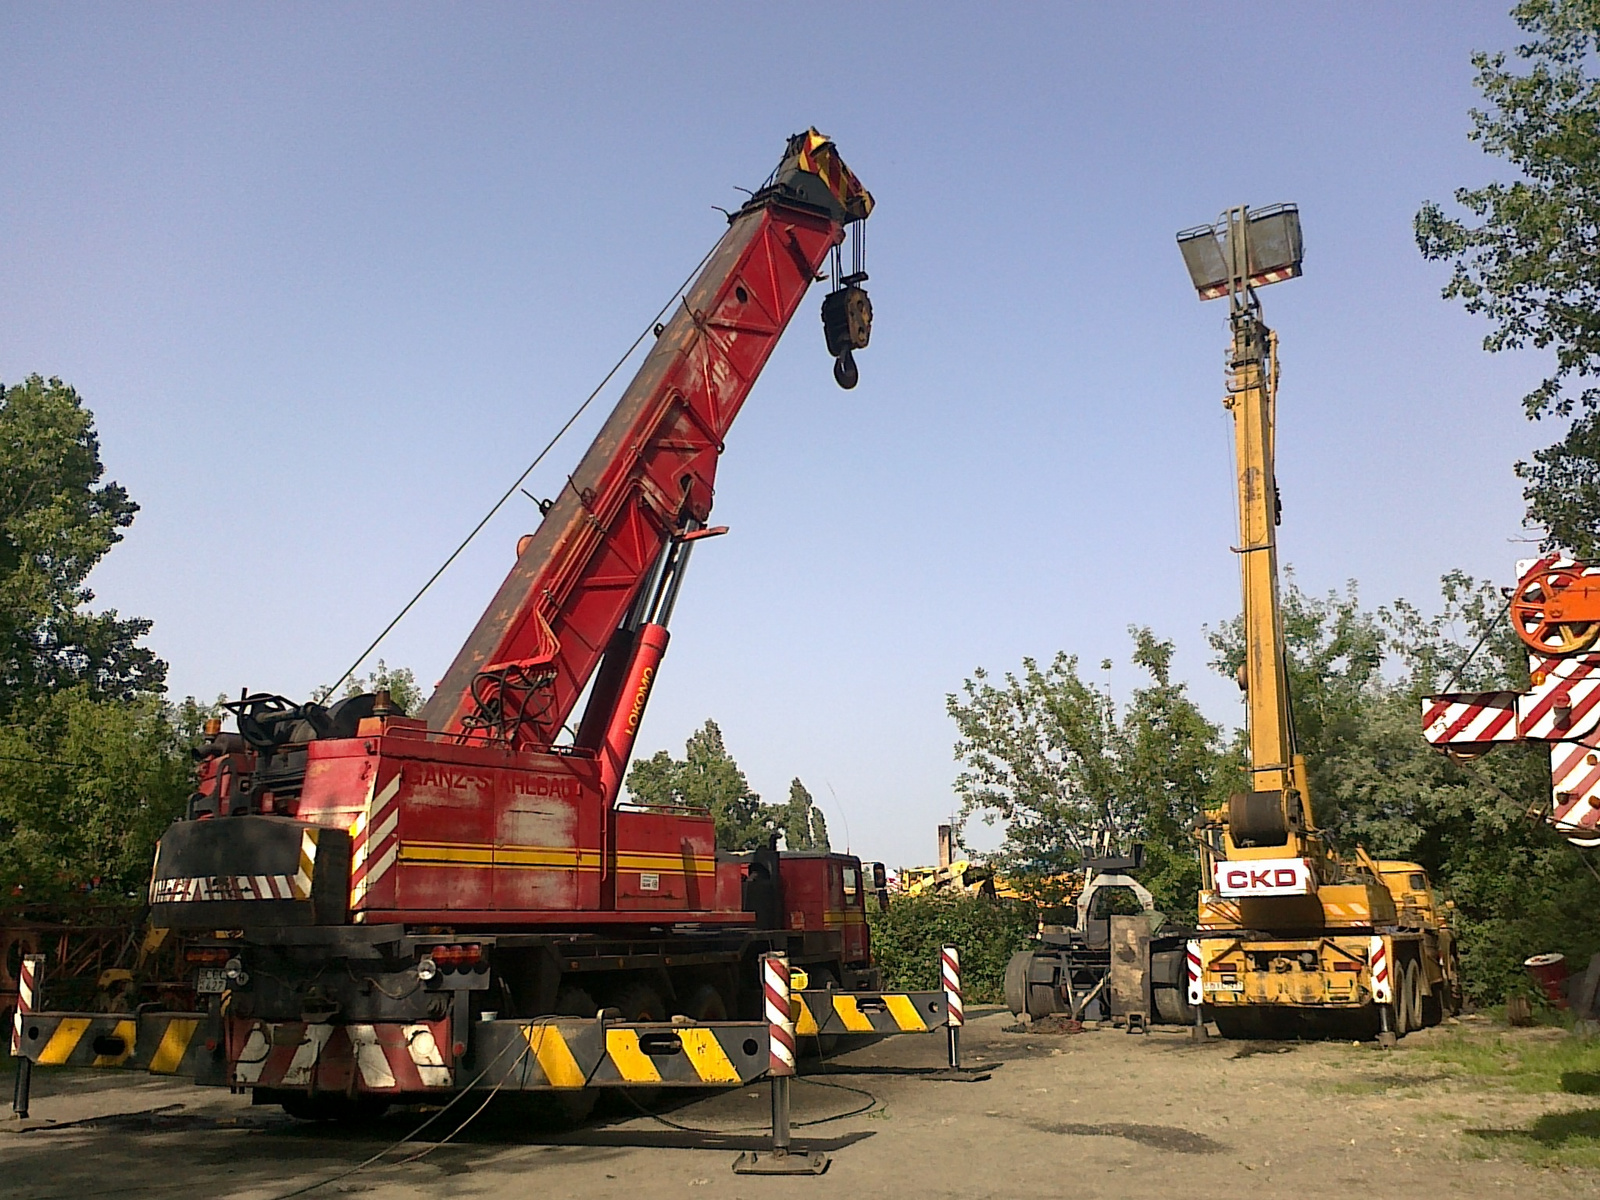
[(1487, 630), (649, 328)]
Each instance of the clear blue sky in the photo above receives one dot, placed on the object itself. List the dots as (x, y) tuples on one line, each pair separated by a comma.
[(329, 275)]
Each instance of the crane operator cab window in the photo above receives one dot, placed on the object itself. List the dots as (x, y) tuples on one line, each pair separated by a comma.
[(852, 888)]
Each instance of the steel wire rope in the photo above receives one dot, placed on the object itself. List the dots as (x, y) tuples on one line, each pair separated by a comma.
[(1471, 654), (477, 1112), (650, 327), (872, 1102), (527, 1047)]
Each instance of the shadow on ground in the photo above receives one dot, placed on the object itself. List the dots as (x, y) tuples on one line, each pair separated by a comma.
[(1554, 1131)]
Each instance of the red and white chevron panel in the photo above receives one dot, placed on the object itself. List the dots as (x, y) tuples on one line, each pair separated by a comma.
[(950, 976), (30, 973), (1563, 703), (1378, 968), (1575, 790), (182, 889), (1565, 700), (389, 1057), (1470, 718), (1197, 993), (374, 839), (780, 1016)]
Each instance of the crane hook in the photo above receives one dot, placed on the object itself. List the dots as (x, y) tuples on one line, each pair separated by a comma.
[(845, 372)]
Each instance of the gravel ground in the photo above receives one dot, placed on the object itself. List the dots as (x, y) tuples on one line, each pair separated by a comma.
[(1099, 1113)]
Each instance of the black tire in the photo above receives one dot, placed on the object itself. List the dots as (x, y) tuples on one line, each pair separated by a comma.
[(1236, 1025), (1042, 1000), (706, 1003), (1016, 985), (335, 1107), (1400, 1007), (1415, 993), (1433, 1006), (638, 1002), (1169, 991), (1405, 1012), (573, 1001), (1172, 1005), (558, 1110)]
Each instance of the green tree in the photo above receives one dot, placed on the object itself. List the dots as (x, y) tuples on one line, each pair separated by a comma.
[(706, 777), (87, 785), (1335, 656), (1525, 255), (58, 518), (1055, 760), (801, 821), (907, 935), (401, 684)]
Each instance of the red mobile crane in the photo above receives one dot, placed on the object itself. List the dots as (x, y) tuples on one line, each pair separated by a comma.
[(402, 890)]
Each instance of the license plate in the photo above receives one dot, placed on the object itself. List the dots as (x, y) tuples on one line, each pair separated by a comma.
[(210, 981), (1226, 983)]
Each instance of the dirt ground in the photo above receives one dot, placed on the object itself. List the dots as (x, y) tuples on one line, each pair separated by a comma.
[(1093, 1114)]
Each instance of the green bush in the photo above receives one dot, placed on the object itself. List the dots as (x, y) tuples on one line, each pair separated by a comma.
[(906, 938)]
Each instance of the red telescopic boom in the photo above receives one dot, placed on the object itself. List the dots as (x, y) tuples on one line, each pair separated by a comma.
[(593, 587)]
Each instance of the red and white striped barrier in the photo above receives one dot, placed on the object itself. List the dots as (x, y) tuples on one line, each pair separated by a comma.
[(1197, 993), (780, 1016), (383, 1058), (1378, 964), (950, 977), (28, 979)]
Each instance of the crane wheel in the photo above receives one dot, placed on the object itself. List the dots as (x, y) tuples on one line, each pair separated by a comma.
[(1433, 1006), (1016, 981), (705, 1003), (1531, 617), (1417, 994), (334, 1106)]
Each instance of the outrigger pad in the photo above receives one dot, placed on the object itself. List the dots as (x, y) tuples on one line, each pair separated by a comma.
[(773, 1163)]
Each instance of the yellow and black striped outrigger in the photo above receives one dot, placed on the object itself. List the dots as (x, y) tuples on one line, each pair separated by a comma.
[(162, 1043), (820, 1012), (555, 1054)]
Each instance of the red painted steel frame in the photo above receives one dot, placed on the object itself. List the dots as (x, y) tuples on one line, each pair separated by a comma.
[(649, 471)]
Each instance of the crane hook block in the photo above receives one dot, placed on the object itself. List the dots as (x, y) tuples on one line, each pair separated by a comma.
[(847, 325)]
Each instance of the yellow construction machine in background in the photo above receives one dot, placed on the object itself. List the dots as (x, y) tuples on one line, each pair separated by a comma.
[(1293, 939)]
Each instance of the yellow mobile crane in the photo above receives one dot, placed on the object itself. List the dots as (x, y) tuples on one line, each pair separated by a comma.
[(1292, 939)]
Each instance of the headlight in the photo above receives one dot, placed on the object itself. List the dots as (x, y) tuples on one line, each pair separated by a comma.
[(427, 970), (235, 973)]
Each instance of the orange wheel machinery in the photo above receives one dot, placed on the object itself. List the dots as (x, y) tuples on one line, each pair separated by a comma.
[(1556, 606)]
